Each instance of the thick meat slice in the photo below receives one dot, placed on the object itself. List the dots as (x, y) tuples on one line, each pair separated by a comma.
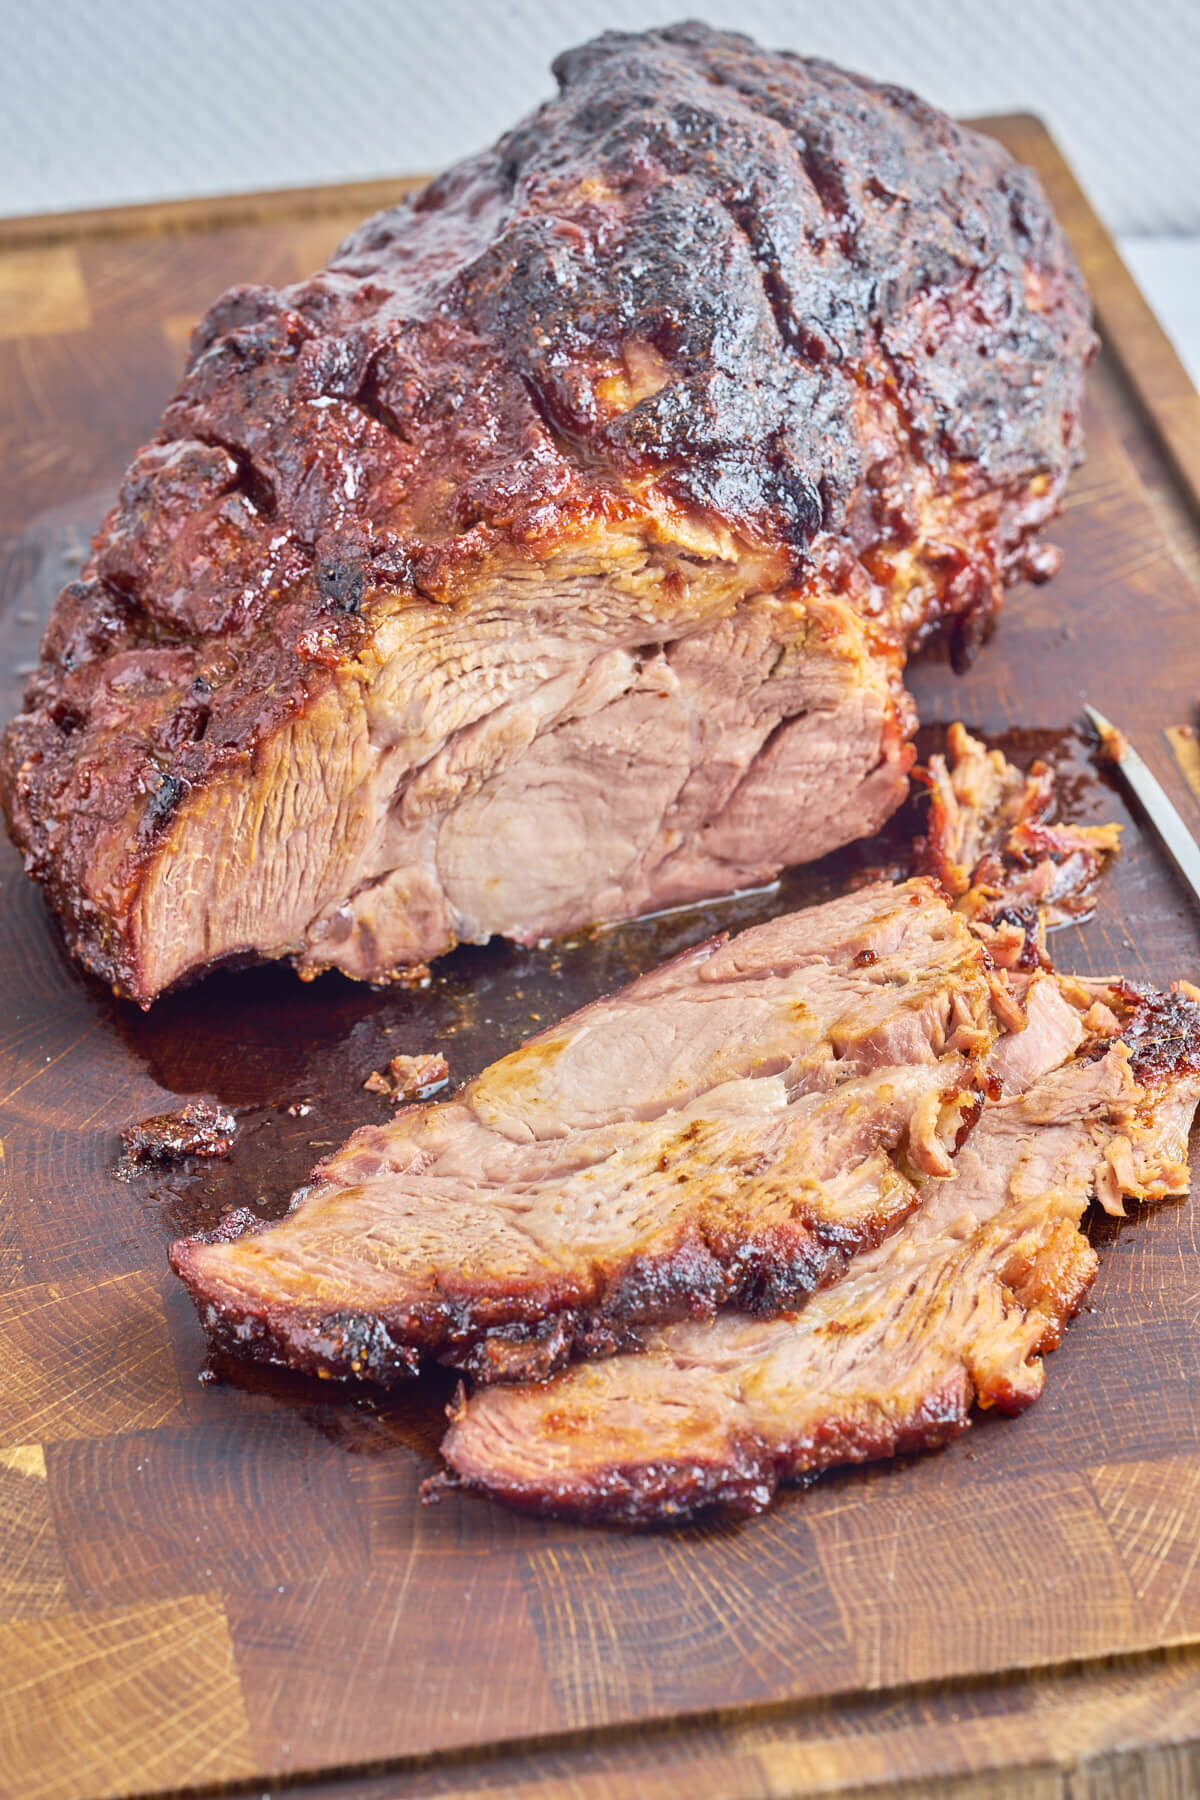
[(729, 1130), (554, 553), (958, 1306)]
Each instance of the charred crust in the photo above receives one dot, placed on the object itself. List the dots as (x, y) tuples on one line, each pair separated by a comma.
[(970, 1117), (342, 585), (363, 1346), (1027, 920), (165, 796), (342, 569), (530, 1337), (670, 1492), (1160, 1030), (741, 1484), (344, 1344)]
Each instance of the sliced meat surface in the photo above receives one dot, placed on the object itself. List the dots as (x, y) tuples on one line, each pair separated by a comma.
[(730, 1130), (956, 1308)]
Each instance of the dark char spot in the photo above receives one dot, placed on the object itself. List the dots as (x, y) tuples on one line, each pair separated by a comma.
[(162, 803), (341, 583)]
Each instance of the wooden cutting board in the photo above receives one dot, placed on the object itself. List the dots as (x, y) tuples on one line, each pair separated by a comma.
[(232, 1583)]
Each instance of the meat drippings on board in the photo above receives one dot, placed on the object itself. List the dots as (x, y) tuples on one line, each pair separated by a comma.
[(731, 1130), (554, 554), (991, 842), (956, 1309)]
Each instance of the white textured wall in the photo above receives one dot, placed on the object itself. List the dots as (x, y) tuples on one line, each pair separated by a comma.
[(142, 99)]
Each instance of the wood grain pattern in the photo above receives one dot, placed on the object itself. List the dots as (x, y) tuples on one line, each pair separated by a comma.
[(289, 207), (1185, 744), (43, 293), (1081, 1733), (84, 1358), (235, 1582), (35, 1579), (80, 1690)]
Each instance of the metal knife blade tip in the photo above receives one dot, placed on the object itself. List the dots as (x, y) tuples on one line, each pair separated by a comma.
[(1172, 832)]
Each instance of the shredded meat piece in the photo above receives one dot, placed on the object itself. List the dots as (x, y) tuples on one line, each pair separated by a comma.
[(409, 1077), (991, 844)]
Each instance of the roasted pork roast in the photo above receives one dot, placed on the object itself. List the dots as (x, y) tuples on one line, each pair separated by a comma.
[(799, 1197), (554, 553)]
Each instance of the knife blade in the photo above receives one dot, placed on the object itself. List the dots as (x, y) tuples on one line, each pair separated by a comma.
[(1173, 833)]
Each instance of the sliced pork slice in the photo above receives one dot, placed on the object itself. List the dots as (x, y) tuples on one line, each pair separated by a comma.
[(955, 1308), (729, 1130)]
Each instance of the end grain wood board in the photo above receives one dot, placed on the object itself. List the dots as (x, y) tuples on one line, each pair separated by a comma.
[(233, 1585)]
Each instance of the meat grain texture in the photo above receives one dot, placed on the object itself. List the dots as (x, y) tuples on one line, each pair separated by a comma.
[(800, 1197), (730, 1130), (956, 1308), (555, 553)]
